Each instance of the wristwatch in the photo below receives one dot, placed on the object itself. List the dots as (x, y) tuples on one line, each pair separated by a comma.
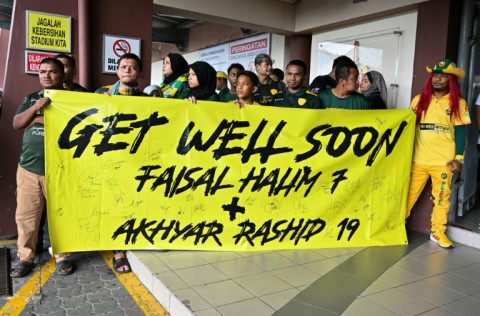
[(460, 161)]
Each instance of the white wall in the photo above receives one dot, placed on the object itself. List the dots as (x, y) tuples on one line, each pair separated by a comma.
[(156, 76), (277, 51), (315, 14), (157, 73), (192, 57), (406, 23)]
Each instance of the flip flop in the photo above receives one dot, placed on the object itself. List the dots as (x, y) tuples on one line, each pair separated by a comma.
[(23, 268), (64, 265), (119, 263)]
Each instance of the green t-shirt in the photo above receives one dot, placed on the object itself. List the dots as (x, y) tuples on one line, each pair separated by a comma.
[(32, 157), (226, 96), (301, 99), (213, 97), (355, 101)]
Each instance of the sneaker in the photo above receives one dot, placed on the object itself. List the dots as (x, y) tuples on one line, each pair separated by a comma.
[(441, 239)]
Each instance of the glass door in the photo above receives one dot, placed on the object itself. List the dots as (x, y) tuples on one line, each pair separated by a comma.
[(372, 51)]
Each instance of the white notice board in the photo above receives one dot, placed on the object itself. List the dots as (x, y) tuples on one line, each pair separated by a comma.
[(114, 46)]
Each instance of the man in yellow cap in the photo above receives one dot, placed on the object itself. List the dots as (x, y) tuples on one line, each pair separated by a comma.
[(222, 86), (442, 116)]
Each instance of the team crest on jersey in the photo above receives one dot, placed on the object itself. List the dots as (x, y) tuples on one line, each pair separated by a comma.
[(302, 101), (444, 175), (448, 111), (274, 91)]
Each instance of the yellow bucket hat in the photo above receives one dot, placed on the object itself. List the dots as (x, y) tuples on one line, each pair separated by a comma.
[(221, 74), (446, 66)]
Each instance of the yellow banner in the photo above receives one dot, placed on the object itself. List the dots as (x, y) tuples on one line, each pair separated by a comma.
[(51, 32), (151, 173)]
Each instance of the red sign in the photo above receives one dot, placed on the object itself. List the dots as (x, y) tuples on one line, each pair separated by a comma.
[(33, 59), (121, 47), (245, 47)]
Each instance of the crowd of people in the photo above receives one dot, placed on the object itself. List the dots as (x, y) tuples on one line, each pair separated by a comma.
[(339, 89), (439, 141)]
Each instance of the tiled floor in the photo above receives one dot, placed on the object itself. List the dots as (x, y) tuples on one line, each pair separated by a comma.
[(421, 279), (471, 221)]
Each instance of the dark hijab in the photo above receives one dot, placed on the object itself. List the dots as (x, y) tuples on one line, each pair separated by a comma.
[(207, 80), (179, 67), (378, 85)]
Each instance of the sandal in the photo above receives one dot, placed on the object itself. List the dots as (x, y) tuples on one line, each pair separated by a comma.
[(120, 263), (64, 267), (21, 269)]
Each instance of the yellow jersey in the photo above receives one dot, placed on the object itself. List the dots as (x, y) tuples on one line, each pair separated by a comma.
[(435, 134)]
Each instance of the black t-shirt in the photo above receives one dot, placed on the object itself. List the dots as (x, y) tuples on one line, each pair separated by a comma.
[(376, 102), (79, 88), (321, 83), (266, 91), (300, 99)]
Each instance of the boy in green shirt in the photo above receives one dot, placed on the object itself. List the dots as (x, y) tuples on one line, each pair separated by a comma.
[(247, 85)]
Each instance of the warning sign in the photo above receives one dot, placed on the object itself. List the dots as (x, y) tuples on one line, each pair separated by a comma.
[(51, 32), (121, 47), (33, 59), (245, 50), (116, 46)]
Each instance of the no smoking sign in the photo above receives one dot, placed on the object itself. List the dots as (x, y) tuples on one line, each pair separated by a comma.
[(115, 47), (121, 47)]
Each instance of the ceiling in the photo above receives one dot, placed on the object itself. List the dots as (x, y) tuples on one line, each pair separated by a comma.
[(173, 29), (163, 21)]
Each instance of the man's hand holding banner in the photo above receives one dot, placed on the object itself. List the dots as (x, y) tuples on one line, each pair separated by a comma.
[(150, 173)]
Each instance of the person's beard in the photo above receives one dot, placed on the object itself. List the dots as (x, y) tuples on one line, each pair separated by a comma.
[(440, 89)]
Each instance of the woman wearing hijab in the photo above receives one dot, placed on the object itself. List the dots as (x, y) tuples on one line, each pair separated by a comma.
[(202, 81), (374, 89), (175, 72)]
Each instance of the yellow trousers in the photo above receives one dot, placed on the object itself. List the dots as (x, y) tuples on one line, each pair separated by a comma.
[(441, 180)]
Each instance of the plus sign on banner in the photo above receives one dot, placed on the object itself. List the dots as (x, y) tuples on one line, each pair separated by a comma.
[(114, 47)]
